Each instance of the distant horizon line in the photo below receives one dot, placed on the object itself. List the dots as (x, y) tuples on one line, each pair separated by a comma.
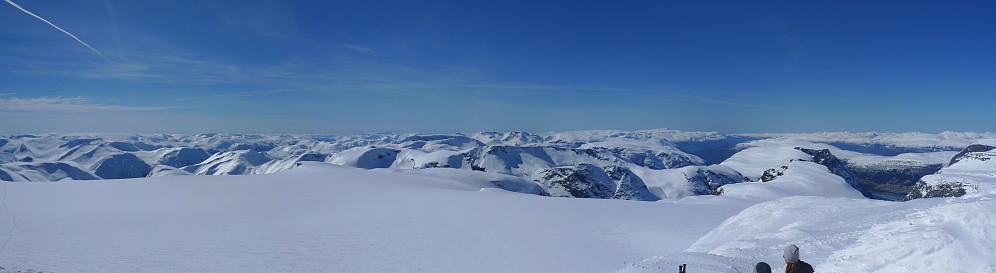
[(510, 131)]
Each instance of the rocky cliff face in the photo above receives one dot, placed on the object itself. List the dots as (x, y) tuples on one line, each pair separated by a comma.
[(924, 189), (771, 174), (629, 186), (892, 180), (590, 181), (581, 181), (706, 180)]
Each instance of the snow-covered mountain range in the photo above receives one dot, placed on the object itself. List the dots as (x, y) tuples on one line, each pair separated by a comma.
[(634, 165), (483, 202)]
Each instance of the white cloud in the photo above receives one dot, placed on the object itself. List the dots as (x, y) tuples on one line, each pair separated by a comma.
[(356, 48), (60, 104)]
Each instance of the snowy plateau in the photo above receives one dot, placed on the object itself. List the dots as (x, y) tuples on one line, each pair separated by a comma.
[(585, 201)]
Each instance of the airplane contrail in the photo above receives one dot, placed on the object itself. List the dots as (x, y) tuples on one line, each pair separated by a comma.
[(53, 25)]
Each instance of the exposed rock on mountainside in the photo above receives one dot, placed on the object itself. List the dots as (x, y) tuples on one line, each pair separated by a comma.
[(705, 180), (771, 174), (924, 189), (581, 181), (629, 186), (971, 172)]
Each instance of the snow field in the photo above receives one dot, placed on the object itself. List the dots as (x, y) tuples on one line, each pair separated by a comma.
[(848, 235), (326, 218)]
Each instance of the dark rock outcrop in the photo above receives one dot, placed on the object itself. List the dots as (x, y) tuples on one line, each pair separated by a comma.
[(941, 185), (580, 181), (629, 185), (924, 190), (706, 181), (771, 174)]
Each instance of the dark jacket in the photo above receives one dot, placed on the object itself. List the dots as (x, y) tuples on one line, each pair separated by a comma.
[(799, 267)]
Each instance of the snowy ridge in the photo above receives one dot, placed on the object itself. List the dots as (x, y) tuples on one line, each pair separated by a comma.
[(690, 180), (227, 163), (650, 155), (43, 171), (606, 169), (768, 160), (799, 178), (972, 172)]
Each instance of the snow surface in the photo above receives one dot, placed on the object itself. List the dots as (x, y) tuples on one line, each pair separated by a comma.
[(761, 155), (800, 179), (320, 217), (848, 235), (325, 218), (975, 172)]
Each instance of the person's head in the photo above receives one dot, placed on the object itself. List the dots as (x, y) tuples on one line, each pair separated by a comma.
[(762, 267), (791, 254)]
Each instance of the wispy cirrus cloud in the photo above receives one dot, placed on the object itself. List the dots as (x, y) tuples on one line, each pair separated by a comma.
[(60, 104), (146, 67), (357, 48)]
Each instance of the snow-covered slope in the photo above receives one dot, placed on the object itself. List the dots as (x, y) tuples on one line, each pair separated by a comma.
[(318, 217), (234, 162), (971, 172), (798, 178), (123, 165), (605, 169), (182, 156), (691, 180), (847, 235), (325, 218), (43, 172), (770, 159), (653, 156)]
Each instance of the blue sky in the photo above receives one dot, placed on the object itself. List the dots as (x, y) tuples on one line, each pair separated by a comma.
[(462, 66)]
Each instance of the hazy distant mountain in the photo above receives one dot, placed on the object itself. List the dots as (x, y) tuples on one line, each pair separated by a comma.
[(636, 165)]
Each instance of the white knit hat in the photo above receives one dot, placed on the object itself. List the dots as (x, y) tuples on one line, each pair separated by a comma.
[(791, 254)]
